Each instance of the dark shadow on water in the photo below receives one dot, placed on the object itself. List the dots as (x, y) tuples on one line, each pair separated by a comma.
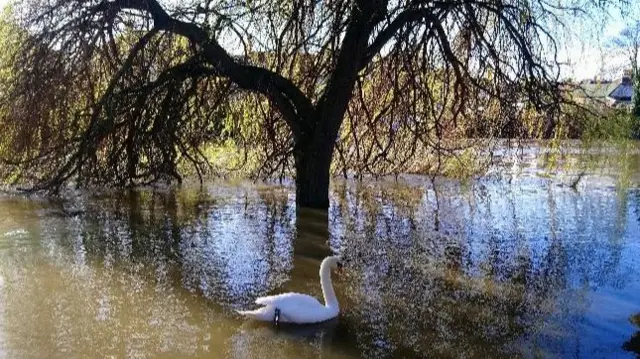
[(633, 344), (293, 331)]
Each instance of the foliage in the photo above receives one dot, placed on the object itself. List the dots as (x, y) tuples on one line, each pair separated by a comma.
[(127, 92), (636, 102), (619, 125), (628, 41)]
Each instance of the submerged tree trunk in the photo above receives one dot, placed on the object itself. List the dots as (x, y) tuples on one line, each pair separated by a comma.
[(313, 154), (313, 165)]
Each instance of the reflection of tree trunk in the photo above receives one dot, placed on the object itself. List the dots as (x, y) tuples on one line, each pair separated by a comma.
[(311, 244), (135, 212), (436, 209), (312, 226), (633, 344), (454, 265)]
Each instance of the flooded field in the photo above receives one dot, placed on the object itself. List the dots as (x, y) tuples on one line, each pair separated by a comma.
[(522, 267)]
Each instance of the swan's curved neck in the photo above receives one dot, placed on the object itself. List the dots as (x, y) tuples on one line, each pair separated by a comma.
[(327, 287)]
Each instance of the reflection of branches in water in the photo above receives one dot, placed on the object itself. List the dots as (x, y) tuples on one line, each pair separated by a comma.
[(148, 223), (190, 233), (279, 229), (636, 203), (502, 265), (509, 283), (245, 253)]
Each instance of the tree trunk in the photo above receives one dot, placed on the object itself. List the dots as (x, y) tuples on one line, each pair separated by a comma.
[(313, 164)]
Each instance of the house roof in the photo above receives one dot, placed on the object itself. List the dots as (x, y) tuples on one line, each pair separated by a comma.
[(624, 91), (601, 90), (598, 90)]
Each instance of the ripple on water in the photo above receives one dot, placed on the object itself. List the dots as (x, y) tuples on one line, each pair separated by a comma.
[(16, 233)]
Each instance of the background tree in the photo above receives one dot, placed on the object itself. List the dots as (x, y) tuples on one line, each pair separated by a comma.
[(629, 42), (126, 92)]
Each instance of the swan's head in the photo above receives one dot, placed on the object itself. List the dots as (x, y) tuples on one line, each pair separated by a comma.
[(332, 262)]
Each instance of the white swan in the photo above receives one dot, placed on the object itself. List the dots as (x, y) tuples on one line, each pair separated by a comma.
[(300, 308)]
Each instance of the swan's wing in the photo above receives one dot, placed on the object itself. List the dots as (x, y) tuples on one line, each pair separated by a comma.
[(296, 307), (287, 299)]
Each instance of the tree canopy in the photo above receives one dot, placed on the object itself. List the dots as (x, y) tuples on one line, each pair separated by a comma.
[(126, 92)]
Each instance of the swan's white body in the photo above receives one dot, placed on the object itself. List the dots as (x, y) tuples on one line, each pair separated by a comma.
[(300, 308)]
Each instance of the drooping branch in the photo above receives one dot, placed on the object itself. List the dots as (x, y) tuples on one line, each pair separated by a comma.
[(291, 101), (404, 19)]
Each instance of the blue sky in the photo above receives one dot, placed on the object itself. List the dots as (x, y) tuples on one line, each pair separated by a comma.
[(586, 50)]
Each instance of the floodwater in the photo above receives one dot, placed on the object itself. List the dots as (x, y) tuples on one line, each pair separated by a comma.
[(528, 267)]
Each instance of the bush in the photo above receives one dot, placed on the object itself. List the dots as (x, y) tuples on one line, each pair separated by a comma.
[(616, 126)]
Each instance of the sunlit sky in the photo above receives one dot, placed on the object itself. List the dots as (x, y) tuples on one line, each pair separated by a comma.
[(589, 51), (586, 52)]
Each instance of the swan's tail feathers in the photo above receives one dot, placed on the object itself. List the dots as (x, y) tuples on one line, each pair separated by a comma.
[(264, 314)]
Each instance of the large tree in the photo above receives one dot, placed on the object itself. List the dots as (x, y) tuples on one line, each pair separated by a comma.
[(120, 91)]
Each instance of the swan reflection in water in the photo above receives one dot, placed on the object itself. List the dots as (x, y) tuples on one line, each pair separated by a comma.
[(262, 340)]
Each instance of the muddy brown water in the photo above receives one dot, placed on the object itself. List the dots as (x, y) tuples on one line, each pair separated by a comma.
[(489, 268)]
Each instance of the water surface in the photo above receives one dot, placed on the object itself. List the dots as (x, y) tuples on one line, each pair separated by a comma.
[(489, 268)]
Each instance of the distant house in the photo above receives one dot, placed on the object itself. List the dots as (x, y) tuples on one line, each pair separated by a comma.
[(616, 94)]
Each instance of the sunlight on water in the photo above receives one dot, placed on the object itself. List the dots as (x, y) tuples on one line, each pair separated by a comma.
[(485, 269)]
